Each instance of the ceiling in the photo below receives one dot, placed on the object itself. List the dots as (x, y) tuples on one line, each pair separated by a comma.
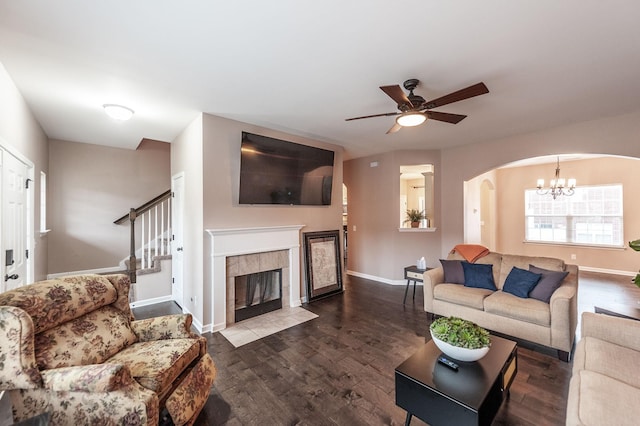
[(303, 67)]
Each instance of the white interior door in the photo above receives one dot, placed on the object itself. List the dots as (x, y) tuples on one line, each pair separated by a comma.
[(177, 224), (14, 222)]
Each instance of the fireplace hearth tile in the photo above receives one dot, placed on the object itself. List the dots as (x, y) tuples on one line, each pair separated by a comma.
[(261, 326)]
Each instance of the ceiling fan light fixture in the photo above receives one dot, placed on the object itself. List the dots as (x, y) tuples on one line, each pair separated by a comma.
[(410, 119), (118, 112)]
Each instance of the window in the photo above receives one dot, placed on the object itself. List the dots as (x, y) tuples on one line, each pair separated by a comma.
[(592, 216)]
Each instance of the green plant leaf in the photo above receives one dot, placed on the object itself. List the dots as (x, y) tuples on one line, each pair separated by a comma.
[(461, 333)]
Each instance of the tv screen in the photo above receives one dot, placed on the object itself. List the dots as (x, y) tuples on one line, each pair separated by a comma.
[(274, 171)]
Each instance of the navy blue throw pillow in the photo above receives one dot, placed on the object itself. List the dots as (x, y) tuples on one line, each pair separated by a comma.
[(549, 283), (520, 282), (478, 275), (453, 272)]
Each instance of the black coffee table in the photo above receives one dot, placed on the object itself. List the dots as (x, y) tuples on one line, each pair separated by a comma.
[(470, 396)]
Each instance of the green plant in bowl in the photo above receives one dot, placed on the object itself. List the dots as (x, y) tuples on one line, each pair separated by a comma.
[(460, 333)]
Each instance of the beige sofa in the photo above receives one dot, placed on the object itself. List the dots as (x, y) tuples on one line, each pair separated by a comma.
[(70, 347), (550, 324), (605, 385)]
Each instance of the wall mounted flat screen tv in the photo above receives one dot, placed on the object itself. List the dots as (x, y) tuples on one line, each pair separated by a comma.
[(273, 171)]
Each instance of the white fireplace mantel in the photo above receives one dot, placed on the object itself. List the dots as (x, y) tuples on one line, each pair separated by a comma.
[(238, 241)]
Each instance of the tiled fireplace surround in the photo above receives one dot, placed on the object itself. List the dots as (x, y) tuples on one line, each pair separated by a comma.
[(250, 264), (241, 251)]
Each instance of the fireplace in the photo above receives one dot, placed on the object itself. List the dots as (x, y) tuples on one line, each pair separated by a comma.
[(264, 271), (257, 294), (242, 251)]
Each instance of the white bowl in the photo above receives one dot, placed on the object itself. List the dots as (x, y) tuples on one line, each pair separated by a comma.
[(460, 354)]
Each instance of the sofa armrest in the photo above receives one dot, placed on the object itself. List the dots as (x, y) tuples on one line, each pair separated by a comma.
[(165, 327), (90, 378), (430, 279), (619, 331), (564, 311), (17, 350)]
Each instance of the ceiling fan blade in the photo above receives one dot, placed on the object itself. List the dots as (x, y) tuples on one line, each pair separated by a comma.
[(445, 116), (394, 128), (466, 93), (397, 94), (386, 114)]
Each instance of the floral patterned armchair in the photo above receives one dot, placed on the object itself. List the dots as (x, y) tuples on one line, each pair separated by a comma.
[(71, 347)]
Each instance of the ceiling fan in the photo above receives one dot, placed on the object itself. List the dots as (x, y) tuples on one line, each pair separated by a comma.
[(414, 110)]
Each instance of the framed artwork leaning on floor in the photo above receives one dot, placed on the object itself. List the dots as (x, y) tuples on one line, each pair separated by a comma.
[(322, 258)]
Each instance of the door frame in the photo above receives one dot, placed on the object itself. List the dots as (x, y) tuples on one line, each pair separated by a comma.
[(175, 218), (30, 213)]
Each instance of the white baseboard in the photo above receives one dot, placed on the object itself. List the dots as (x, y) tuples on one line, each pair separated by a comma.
[(148, 302), (86, 271), (608, 271), (379, 279)]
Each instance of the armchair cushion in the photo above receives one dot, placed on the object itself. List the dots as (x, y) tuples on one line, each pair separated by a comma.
[(90, 378), (156, 364), (165, 327), (90, 339)]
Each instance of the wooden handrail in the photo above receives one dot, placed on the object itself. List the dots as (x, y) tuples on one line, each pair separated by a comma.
[(131, 217), (145, 207)]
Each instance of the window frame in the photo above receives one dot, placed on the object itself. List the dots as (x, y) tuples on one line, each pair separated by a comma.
[(571, 219)]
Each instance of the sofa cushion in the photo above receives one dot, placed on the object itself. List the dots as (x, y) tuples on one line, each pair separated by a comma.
[(617, 362), (156, 364), (90, 339), (54, 302), (461, 295), (453, 272), (522, 262), (510, 306), (596, 399), (520, 282), (548, 284), (478, 276)]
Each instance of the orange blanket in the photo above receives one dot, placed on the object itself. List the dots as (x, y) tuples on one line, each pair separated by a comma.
[(471, 252)]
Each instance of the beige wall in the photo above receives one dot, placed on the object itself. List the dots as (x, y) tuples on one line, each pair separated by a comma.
[(376, 247), (511, 183), (208, 152), (187, 158), (378, 250), (612, 135), (89, 187), (21, 131)]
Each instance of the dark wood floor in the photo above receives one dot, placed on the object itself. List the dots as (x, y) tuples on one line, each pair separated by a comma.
[(338, 369)]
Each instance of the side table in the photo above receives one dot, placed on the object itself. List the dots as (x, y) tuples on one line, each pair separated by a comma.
[(618, 310), (412, 273)]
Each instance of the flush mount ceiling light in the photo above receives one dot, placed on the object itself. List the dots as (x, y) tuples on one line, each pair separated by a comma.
[(118, 112), (410, 119)]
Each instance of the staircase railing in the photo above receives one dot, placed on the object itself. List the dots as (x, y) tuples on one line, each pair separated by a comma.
[(155, 232)]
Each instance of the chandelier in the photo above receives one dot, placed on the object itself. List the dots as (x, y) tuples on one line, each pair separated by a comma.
[(557, 185)]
